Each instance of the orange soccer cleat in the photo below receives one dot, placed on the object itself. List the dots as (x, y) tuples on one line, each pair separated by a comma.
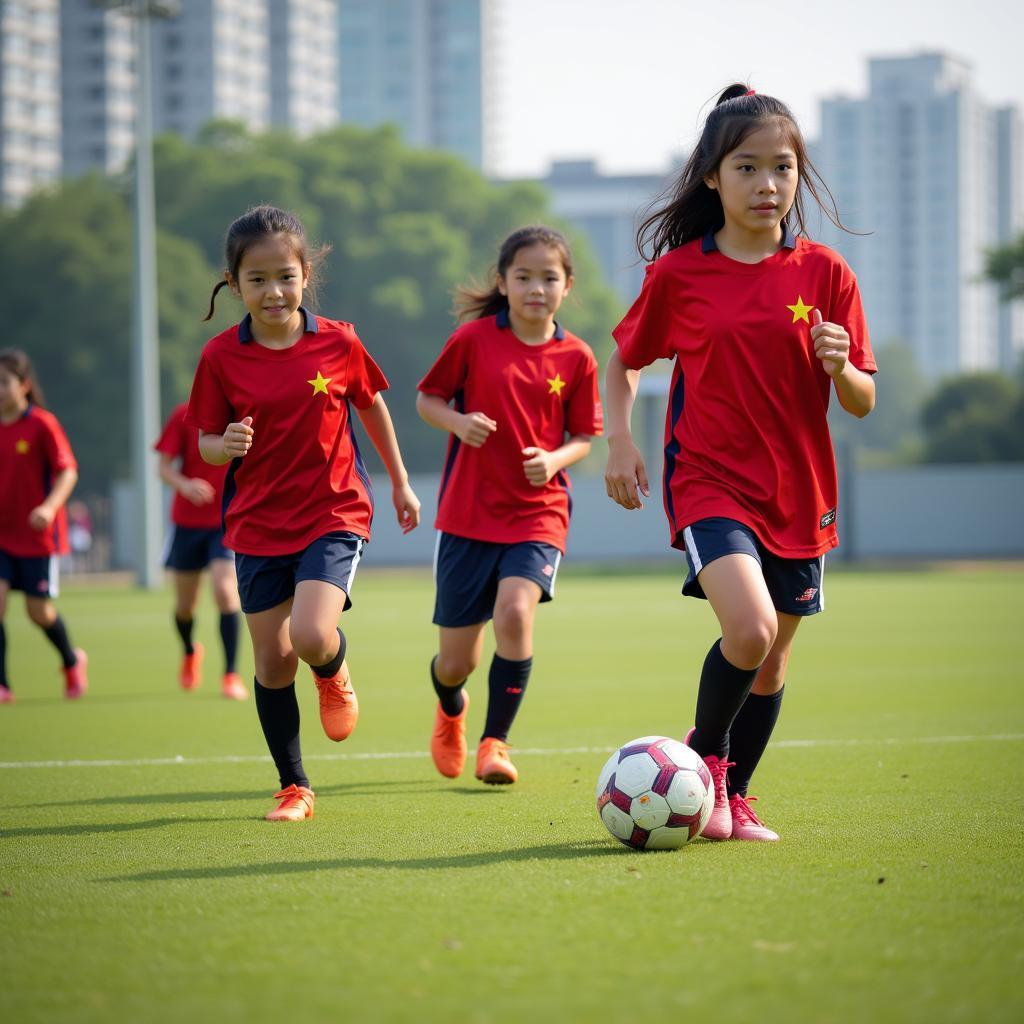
[(448, 744), (191, 674), (232, 687), (296, 804), (339, 708), (492, 763), (76, 682)]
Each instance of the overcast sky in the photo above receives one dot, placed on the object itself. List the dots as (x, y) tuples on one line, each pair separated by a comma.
[(625, 81)]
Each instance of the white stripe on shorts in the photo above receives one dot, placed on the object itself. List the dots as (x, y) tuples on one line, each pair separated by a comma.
[(355, 565), (691, 550), (821, 583), (554, 574), (54, 576), (437, 553)]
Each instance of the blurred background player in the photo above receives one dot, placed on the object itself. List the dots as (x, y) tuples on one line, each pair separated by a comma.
[(38, 472), (274, 396), (196, 543), (519, 396), (762, 325)]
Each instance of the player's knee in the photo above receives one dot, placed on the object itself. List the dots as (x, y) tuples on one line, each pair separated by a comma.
[(750, 643), (513, 619), (275, 668), (313, 645), (451, 669), (42, 613)]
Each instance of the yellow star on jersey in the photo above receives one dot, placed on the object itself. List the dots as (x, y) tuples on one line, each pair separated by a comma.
[(21, 446), (800, 310), (320, 384), (556, 383)]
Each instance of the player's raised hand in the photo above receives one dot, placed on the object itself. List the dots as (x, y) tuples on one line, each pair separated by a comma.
[(831, 344), (625, 475), (538, 466), (407, 507), (238, 438), (475, 428)]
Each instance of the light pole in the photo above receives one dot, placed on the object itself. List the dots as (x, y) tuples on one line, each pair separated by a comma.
[(145, 358)]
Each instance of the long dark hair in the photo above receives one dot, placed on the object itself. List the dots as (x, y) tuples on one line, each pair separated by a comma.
[(688, 209), (16, 362), (254, 226), (474, 301)]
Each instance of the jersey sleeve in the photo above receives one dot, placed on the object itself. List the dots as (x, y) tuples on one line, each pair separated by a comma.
[(584, 414), (448, 374), (59, 455), (364, 378), (848, 312), (172, 441), (645, 333), (208, 406)]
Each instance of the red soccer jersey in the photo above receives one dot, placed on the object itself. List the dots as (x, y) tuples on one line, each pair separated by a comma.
[(536, 394), (181, 441), (303, 476), (746, 433), (33, 450)]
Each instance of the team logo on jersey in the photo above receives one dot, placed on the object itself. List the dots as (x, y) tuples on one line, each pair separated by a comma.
[(808, 594), (21, 446), (556, 383), (800, 310), (320, 383), (828, 518)]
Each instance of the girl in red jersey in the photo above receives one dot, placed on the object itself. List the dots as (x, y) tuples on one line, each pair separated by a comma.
[(273, 397), (38, 472), (519, 396), (762, 325), (197, 543)]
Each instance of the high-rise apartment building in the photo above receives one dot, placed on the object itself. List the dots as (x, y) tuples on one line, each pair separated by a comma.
[(304, 64), (419, 64), (30, 125), (933, 174)]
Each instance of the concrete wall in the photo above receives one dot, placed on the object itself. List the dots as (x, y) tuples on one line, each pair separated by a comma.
[(909, 513)]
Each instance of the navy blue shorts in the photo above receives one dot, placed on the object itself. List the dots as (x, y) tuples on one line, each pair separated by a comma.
[(192, 550), (467, 573), (795, 584), (37, 577), (265, 581)]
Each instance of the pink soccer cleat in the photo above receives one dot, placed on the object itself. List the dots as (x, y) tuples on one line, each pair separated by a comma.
[(6, 695), (745, 823), (76, 682), (719, 825)]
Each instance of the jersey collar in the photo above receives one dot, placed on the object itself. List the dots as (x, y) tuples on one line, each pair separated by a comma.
[(245, 334), (708, 244), (501, 320)]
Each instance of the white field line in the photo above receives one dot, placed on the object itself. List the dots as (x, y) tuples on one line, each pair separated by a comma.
[(397, 755)]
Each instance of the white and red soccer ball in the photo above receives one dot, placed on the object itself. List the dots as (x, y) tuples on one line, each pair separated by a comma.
[(655, 793)]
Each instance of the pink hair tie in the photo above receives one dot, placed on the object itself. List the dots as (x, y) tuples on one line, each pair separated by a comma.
[(750, 92)]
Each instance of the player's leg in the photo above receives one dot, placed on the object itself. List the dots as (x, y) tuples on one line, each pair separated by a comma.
[(186, 599), (465, 590), (225, 595), (526, 577), (41, 584), (725, 568), (6, 693), (325, 574)]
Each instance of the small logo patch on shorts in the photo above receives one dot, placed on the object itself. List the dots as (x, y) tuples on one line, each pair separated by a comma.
[(548, 570), (828, 518), (808, 594)]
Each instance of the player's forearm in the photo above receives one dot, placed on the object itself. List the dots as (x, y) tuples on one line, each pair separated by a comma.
[(170, 475), (576, 448), (211, 449), (377, 423), (620, 393), (855, 390), (61, 490), (435, 411)]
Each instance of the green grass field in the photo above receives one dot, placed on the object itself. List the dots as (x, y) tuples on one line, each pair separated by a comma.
[(139, 881)]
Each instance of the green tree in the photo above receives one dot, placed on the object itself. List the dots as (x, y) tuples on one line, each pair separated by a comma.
[(1006, 266), (976, 417)]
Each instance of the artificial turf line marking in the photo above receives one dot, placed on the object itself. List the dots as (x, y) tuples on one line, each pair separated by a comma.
[(151, 762)]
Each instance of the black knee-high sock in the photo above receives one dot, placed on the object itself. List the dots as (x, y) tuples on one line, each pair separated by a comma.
[(506, 684), (229, 639), (185, 632), (57, 634), (279, 717), (330, 669), (722, 691), (452, 699), (749, 735), (4, 681)]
